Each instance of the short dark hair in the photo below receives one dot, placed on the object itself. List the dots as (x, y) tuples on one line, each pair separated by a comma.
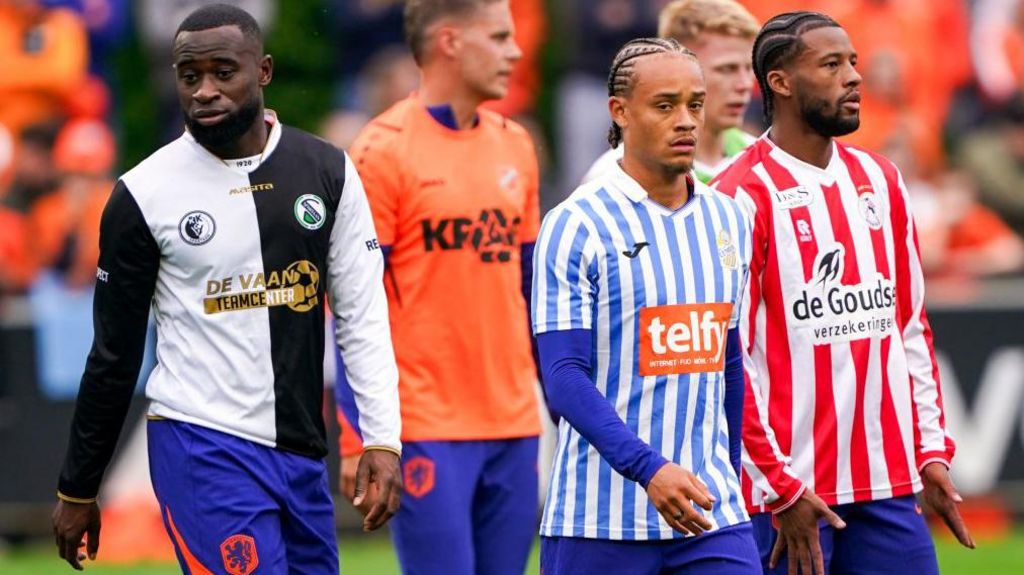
[(217, 15), (778, 43), (621, 78), (421, 14)]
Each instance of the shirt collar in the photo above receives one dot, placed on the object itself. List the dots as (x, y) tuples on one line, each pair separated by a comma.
[(636, 193)]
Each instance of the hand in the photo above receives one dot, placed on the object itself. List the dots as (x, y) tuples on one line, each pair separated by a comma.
[(70, 522), (941, 497), (671, 490), (347, 480), (382, 469), (798, 531)]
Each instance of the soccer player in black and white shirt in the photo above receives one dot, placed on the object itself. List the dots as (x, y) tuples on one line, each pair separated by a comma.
[(235, 234)]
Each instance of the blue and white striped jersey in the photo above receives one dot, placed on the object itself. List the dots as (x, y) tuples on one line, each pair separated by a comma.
[(658, 289)]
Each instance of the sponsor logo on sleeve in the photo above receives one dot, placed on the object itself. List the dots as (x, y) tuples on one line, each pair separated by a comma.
[(197, 228), (836, 312), (683, 338), (310, 211), (795, 197), (102, 275)]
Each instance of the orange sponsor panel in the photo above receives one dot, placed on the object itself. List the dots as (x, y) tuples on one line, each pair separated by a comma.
[(684, 338)]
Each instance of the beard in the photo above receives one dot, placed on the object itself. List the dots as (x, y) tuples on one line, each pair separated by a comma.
[(228, 130), (826, 119)]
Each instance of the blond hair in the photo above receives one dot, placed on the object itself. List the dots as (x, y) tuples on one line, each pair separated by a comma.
[(684, 20)]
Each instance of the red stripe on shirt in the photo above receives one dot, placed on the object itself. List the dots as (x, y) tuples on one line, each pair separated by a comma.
[(892, 437)]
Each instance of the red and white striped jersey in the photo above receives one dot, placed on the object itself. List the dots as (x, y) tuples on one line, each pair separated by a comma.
[(843, 395)]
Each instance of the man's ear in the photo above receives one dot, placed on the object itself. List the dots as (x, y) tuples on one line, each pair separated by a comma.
[(617, 110), (780, 82), (447, 40), (266, 70)]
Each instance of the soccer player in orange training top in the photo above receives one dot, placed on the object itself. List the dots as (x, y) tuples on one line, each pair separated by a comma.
[(453, 191), (844, 418)]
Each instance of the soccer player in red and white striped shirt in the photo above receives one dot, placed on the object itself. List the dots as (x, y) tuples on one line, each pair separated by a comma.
[(844, 418)]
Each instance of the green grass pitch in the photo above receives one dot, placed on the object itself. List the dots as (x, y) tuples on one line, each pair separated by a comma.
[(374, 556)]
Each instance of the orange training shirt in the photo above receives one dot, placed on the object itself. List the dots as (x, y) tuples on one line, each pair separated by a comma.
[(455, 206)]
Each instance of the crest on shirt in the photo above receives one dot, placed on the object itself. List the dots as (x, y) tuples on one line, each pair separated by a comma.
[(418, 476), (727, 250), (869, 209), (239, 554), (310, 211), (508, 178), (790, 198), (197, 228)]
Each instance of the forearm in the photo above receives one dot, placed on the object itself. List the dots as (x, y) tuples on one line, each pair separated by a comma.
[(565, 363), (735, 382)]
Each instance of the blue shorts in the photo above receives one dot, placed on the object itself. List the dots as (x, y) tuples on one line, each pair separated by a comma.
[(232, 506), (727, 551), (470, 507), (886, 537)]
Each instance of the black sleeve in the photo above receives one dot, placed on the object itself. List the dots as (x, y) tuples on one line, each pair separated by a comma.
[(125, 281)]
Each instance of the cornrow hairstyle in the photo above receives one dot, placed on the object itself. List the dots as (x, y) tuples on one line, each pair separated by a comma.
[(621, 78), (778, 43), (217, 15)]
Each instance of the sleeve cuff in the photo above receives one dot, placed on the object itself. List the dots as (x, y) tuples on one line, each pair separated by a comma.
[(932, 457), (651, 470), (397, 452), (79, 500), (795, 492)]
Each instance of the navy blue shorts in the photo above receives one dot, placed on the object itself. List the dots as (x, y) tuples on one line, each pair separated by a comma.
[(727, 551), (233, 506), (886, 537), (470, 507)]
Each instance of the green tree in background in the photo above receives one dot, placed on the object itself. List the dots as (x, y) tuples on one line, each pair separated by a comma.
[(301, 91)]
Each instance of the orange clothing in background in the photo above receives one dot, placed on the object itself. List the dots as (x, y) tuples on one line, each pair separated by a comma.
[(16, 269), (74, 210), (454, 207), (530, 20), (42, 59), (978, 228), (921, 48)]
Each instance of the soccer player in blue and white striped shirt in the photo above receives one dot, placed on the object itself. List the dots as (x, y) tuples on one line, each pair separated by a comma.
[(637, 282)]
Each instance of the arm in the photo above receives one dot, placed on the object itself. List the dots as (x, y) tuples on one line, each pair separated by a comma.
[(932, 442), (764, 461), (565, 361), (126, 279), (130, 257), (735, 383), (355, 284)]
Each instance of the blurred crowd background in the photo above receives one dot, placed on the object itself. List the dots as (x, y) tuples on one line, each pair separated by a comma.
[(86, 91)]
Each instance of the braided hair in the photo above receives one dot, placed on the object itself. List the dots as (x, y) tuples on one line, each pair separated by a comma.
[(621, 78), (778, 43)]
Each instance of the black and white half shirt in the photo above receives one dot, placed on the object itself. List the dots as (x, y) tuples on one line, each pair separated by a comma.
[(237, 259)]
